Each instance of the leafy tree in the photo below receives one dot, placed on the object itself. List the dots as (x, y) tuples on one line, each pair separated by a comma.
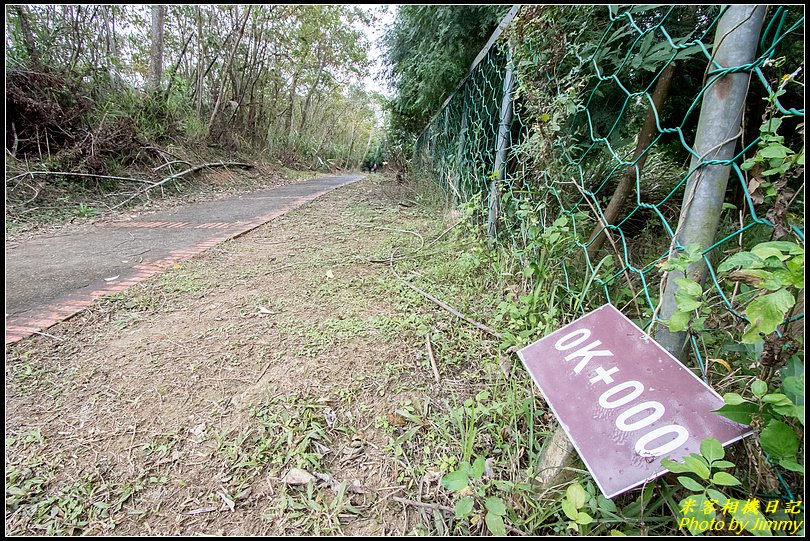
[(428, 50)]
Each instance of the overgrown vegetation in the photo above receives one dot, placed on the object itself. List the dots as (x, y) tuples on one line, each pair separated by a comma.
[(134, 91), (605, 106), (428, 50)]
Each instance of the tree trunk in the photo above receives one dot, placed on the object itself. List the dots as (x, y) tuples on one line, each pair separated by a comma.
[(351, 142), (227, 70), (368, 145), (156, 52), (645, 137), (27, 35), (289, 113), (200, 59), (308, 102)]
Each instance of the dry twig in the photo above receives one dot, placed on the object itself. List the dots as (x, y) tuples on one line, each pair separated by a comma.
[(432, 358)]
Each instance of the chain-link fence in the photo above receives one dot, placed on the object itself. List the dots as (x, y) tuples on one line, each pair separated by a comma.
[(580, 138)]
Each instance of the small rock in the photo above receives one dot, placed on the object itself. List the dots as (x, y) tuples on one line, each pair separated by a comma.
[(296, 476)]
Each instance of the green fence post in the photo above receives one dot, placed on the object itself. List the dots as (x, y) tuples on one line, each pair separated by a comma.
[(718, 131)]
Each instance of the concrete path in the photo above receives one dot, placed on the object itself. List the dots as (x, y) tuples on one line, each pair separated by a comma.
[(50, 279)]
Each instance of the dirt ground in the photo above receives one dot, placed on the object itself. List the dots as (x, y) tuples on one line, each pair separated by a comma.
[(204, 400)]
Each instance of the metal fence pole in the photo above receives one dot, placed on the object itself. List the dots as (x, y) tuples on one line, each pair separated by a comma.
[(502, 147), (462, 140), (718, 130)]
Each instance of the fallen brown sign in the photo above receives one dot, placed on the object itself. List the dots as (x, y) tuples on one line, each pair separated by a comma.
[(623, 400)]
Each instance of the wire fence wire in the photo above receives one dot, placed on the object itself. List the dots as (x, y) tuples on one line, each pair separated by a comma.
[(579, 103)]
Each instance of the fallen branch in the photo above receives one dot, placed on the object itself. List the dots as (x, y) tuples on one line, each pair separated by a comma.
[(421, 238), (65, 174), (178, 175), (432, 358), (447, 307), (453, 311), (159, 167), (423, 245), (436, 506), (445, 232)]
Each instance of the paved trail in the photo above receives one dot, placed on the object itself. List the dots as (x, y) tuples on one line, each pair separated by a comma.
[(50, 279)]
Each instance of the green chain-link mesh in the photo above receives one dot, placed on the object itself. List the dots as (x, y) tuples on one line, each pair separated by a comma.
[(568, 185)]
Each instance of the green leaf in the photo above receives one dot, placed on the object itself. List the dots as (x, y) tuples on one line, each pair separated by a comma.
[(464, 507), (779, 439), (759, 388), (576, 494), (690, 483), (771, 125), (679, 321), (687, 303), (794, 367), (675, 467), (495, 505), (482, 396), (690, 287), (792, 465), (697, 466), (725, 479), (723, 464), (745, 260), (774, 151), (733, 399), (798, 412), (784, 277), (477, 469), (455, 480), (495, 524), (569, 509), (712, 450), (583, 518), (617, 533), (697, 512), (739, 413), (717, 496), (777, 247), (793, 388), (766, 313), (561, 221), (777, 399), (605, 505)]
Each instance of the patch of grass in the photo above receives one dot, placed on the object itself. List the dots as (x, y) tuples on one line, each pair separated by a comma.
[(160, 447), (181, 281), (312, 510), (39, 501), (85, 211), (25, 374), (133, 301), (286, 432), (484, 415), (322, 335)]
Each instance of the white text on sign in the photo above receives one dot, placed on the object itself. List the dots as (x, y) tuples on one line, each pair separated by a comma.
[(637, 416)]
